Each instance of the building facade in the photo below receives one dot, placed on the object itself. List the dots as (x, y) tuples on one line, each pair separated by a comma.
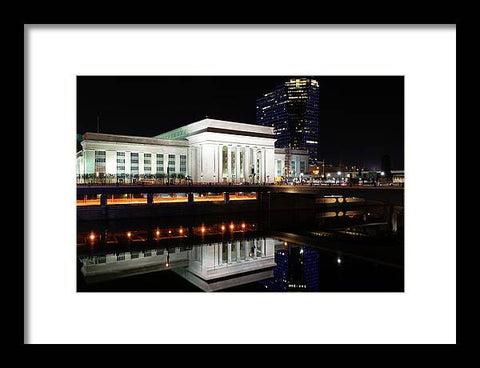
[(209, 150), (292, 109)]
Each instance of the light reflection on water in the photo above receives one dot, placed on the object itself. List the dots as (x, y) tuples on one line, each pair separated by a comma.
[(231, 255)]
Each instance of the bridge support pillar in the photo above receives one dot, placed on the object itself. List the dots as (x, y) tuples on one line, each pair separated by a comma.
[(260, 198), (227, 197), (391, 218), (103, 200), (394, 222), (190, 197)]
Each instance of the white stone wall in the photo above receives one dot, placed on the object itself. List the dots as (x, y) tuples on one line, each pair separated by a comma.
[(112, 148), (111, 162)]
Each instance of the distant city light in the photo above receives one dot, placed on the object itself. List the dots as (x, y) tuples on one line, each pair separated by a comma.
[(223, 227), (232, 226), (203, 229), (339, 260), (180, 231), (339, 173), (92, 236), (243, 226), (129, 234)]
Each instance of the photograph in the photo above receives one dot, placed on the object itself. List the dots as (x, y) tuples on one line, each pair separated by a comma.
[(241, 183)]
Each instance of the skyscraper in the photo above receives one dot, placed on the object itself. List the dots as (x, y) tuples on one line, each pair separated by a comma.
[(292, 109)]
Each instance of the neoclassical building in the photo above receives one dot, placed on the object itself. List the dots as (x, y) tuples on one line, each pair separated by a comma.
[(208, 150)]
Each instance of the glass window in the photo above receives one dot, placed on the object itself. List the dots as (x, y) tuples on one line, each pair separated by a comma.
[(171, 164), (183, 164), (134, 163), (160, 163), (302, 166)]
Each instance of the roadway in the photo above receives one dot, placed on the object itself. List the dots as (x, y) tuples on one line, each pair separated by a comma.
[(390, 194)]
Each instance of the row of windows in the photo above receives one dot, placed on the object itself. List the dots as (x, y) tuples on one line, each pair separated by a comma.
[(100, 160), (134, 157)]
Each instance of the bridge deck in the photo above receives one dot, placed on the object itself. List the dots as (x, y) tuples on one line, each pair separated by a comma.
[(300, 189)]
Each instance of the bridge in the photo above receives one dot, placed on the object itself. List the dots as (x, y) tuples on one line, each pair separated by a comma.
[(386, 194)]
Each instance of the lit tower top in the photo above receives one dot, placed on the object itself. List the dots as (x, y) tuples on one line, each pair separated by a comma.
[(292, 109)]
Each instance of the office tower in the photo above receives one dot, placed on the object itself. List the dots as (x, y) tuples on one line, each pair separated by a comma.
[(292, 109)]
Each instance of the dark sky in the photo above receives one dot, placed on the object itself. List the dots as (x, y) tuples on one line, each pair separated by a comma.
[(361, 118)]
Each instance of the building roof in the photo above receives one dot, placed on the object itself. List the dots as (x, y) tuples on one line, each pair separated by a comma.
[(218, 126), (132, 139)]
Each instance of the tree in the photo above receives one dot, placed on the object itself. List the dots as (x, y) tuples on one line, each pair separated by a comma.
[(180, 177)]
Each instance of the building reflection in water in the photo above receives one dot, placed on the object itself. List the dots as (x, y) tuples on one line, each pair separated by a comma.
[(210, 267)]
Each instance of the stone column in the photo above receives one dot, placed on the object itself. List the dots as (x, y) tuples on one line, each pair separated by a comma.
[(220, 163), (246, 164), (238, 250), (254, 249), (263, 177), (263, 248), (255, 164), (247, 249), (237, 164), (229, 162), (229, 253), (220, 254)]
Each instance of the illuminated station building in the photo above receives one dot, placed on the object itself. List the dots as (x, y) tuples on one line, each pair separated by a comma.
[(209, 151), (292, 109)]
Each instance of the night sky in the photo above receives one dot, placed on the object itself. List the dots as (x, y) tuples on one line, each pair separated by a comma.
[(361, 118)]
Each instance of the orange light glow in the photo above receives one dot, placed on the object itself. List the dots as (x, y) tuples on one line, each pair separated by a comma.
[(158, 233), (92, 236), (180, 231), (243, 226), (223, 227), (285, 243), (232, 226), (129, 234), (203, 229), (169, 231)]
